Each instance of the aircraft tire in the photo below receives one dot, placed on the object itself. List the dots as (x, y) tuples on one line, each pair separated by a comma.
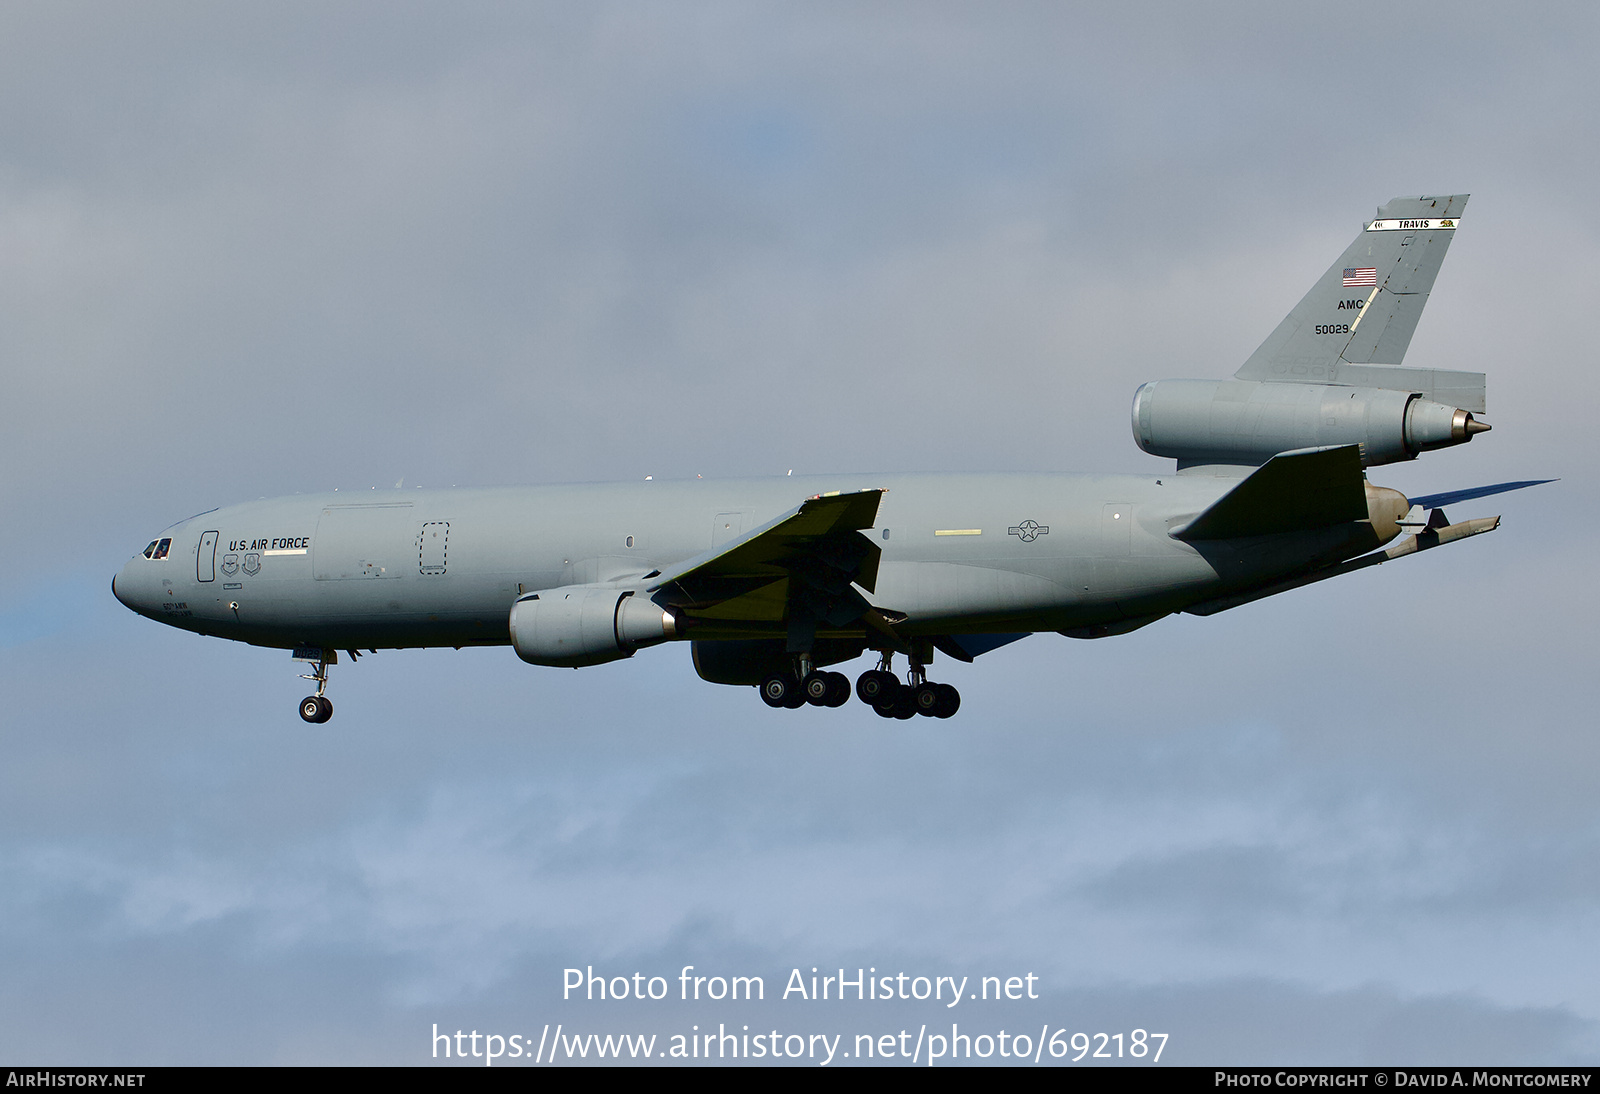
[(925, 698), (838, 689), (817, 688), (327, 708), (311, 708), (875, 685), (778, 689), (898, 703), (949, 701)]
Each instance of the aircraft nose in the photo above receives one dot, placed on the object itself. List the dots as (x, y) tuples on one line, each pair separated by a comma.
[(120, 593)]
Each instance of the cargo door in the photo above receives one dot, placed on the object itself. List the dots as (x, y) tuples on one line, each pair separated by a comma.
[(362, 541)]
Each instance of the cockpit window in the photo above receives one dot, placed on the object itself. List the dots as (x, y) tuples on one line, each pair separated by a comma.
[(158, 549), (149, 552)]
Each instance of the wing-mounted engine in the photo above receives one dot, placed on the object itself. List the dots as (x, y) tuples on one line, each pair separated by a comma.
[(579, 625), (1250, 421)]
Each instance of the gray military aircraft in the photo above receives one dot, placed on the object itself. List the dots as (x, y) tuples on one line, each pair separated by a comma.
[(771, 580)]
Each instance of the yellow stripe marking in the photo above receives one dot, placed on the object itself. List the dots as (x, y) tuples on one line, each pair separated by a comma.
[(1364, 308), (296, 551), (959, 532)]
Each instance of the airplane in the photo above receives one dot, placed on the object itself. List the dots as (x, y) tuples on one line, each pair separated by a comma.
[(770, 581)]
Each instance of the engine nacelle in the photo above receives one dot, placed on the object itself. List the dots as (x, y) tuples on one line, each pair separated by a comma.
[(1249, 421), (579, 625)]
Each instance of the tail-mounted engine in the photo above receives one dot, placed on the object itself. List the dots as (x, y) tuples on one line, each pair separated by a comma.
[(579, 625), (1249, 422)]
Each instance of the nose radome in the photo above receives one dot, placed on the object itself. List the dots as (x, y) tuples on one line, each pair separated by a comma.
[(114, 591)]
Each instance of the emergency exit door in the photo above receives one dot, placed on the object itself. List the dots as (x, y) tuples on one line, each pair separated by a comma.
[(433, 547), (205, 561)]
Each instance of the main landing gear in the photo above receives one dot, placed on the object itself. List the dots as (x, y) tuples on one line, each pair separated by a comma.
[(318, 708), (879, 688), (820, 689), (882, 690)]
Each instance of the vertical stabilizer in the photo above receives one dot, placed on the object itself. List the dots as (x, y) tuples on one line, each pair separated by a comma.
[(1364, 310)]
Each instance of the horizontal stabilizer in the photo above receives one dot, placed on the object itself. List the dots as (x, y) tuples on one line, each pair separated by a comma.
[(1292, 492), (1408, 545), (1450, 497)]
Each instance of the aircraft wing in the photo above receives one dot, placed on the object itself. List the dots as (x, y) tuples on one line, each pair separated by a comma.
[(797, 570)]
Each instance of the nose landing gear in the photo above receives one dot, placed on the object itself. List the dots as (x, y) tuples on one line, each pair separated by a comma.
[(317, 708)]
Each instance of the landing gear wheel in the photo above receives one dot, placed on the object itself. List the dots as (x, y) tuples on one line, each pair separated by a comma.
[(838, 689), (949, 701), (925, 697), (778, 689), (316, 708), (874, 685), (898, 704), (817, 687)]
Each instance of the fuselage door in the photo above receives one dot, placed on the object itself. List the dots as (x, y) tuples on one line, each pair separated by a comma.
[(432, 553), (205, 561), (1116, 521), (363, 541), (1111, 569)]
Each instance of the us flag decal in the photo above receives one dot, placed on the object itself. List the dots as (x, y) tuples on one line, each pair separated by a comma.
[(1364, 278)]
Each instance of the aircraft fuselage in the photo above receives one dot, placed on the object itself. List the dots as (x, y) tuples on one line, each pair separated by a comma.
[(962, 554)]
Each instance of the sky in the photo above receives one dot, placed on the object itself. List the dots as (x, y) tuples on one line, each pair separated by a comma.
[(247, 252)]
